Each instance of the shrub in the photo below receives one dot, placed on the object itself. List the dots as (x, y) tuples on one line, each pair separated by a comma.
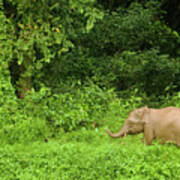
[(83, 107), (40, 115), (119, 160)]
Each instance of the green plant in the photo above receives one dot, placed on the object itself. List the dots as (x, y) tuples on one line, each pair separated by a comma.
[(79, 108), (120, 159)]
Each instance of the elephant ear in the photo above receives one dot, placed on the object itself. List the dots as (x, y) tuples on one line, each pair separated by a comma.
[(137, 115)]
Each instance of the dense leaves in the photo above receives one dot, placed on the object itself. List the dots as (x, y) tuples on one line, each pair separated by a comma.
[(68, 69), (68, 60), (129, 47), (60, 43), (116, 160)]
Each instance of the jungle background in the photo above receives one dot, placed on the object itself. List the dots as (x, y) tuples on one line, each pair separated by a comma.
[(68, 70)]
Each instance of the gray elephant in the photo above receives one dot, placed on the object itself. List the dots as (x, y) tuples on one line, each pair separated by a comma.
[(162, 124)]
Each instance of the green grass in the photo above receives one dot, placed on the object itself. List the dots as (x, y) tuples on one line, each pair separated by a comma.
[(86, 154), (89, 155)]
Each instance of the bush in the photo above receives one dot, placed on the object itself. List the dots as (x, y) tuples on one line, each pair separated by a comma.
[(121, 160), (137, 27), (41, 115), (149, 71), (79, 108)]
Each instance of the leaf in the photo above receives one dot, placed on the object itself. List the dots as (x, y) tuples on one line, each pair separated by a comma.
[(20, 58), (39, 65), (90, 24), (21, 26), (64, 50)]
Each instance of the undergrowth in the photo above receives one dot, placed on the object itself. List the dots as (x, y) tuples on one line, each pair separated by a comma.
[(30, 151), (102, 158)]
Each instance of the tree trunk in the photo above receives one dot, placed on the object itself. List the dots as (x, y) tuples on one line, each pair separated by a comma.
[(24, 82)]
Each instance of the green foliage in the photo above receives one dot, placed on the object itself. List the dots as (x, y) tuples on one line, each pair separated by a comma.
[(132, 28), (38, 32), (117, 160), (87, 67), (7, 96), (142, 70), (41, 115), (43, 30), (81, 108), (6, 89), (170, 100), (146, 69), (129, 48)]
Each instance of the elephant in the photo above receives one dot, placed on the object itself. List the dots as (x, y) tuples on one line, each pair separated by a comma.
[(162, 124)]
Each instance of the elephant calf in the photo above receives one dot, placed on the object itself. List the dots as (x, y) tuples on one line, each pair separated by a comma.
[(162, 124)]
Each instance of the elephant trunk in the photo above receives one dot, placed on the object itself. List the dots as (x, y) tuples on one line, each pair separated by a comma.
[(122, 132)]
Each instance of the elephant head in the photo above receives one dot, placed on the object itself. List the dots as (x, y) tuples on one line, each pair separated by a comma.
[(133, 124)]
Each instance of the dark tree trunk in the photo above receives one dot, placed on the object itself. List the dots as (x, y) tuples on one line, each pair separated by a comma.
[(24, 82), (25, 77)]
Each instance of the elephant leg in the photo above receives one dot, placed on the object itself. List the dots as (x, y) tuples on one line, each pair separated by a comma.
[(148, 134), (178, 144)]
